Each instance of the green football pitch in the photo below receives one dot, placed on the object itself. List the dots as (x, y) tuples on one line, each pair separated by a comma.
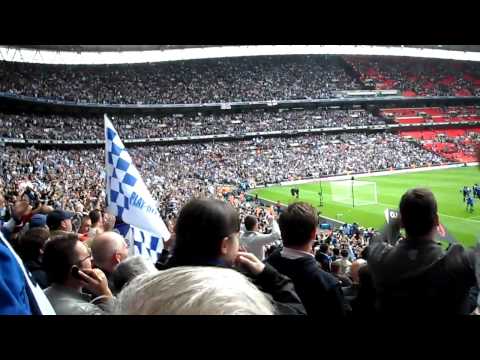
[(445, 184)]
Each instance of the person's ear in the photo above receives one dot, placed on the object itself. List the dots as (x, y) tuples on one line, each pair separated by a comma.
[(117, 258), (436, 220), (313, 235), (224, 245)]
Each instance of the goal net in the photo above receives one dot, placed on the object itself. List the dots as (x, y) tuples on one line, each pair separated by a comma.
[(354, 192)]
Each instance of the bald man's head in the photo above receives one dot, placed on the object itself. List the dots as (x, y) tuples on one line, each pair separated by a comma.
[(108, 250)]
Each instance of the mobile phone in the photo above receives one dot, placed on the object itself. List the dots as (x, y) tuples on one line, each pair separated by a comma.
[(75, 273)]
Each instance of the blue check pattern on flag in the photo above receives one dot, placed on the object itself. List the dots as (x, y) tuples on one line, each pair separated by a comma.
[(129, 199)]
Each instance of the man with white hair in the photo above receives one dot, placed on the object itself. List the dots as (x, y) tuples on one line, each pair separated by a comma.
[(108, 250), (193, 290), (129, 269)]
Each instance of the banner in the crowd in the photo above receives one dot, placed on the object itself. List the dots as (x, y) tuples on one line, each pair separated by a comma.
[(442, 232), (128, 197)]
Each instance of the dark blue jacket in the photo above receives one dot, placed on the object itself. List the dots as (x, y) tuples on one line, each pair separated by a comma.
[(319, 291)]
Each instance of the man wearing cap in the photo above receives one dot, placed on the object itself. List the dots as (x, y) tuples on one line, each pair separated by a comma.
[(59, 220), (38, 221)]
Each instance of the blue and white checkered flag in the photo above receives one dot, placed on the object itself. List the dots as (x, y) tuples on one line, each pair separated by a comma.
[(129, 199)]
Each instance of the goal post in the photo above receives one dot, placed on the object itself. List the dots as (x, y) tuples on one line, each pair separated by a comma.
[(354, 192)]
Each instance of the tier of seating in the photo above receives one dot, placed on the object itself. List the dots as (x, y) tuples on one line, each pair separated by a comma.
[(418, 77), (433, 114), (452, 144)]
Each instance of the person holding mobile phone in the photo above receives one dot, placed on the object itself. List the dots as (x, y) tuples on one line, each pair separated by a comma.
[(68, 264)]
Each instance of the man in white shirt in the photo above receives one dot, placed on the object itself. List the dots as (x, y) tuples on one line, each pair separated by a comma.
[(253, 241)]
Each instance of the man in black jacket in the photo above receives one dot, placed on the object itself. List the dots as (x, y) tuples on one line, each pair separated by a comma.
[(323, 258), (415, 275), (207, 234), (319, 291)]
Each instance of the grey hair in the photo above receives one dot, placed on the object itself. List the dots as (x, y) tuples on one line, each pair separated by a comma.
[(129, 269), (193, 290)]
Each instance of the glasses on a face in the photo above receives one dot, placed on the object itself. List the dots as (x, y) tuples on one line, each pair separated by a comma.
[(86, 257)]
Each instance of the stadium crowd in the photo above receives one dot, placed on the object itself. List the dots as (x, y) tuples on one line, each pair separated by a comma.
[(196, 81), (176, 173), (57, 127), (423, 77), (207, 266)]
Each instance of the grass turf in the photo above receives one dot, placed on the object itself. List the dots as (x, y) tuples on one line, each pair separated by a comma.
[(445, 184)]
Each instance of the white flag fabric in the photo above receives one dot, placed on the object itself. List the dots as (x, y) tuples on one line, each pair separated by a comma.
[(143, 243), (128, 197)]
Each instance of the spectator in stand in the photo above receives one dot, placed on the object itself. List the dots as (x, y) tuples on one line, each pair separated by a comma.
[(317, 289), (416, 276), (323, 258), (193, 290), (344, 280), (97, 223), (84, 229), (38, 221), (30, 250), (207, 234), (21, 214), (109, 249), (363, 300), (128, 270), (336, 254), (67, 262), (343, 263), (59, 220), (253, 241)]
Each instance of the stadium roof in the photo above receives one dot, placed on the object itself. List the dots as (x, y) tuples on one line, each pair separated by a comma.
[(123, 54), (100, 48)]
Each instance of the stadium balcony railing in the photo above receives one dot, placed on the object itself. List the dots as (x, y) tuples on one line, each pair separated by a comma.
[(15, 101)]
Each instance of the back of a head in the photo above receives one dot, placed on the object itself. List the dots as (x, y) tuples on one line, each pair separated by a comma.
[(194, 290), (54, 220), (250, 222), (324, 248), (58, 257), (32, 242), (418, 212), (95, 216), (200, 228), (104, 246), (335, 267), (336, 251), (354, 270), (129, 269), (297, 224), (344, 253)]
